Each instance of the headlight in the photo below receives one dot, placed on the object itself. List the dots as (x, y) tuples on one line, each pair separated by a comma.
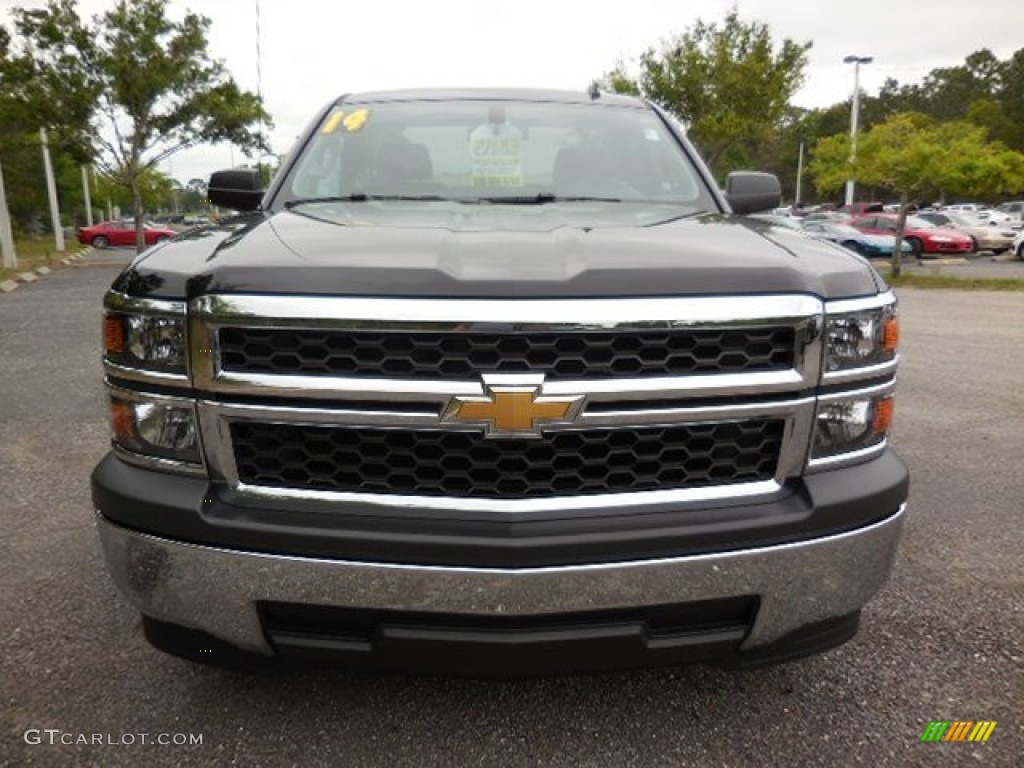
[(152, 342), (862, 338), (155, 427), (851, 424)]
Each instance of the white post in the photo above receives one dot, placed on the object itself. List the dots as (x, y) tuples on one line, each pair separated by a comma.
[(6, 236), (51, 191), (88, 198), (854, 116), (799, 176)]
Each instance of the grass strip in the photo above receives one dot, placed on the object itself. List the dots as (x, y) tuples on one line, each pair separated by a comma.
[(942, 282), (39, 252)]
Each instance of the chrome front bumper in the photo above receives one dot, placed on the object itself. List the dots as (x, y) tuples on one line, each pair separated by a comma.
[(217, 590)]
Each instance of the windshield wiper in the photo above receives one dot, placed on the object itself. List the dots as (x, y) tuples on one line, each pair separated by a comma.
[(544, 198), (362, 197)]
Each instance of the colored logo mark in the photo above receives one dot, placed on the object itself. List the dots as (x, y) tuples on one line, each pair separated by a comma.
[(958, 730), (513, 406)]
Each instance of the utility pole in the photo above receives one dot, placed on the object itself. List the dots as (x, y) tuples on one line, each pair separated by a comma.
[(799, 176), (88, 198), (854, 116), (51, 191), (6, 236)]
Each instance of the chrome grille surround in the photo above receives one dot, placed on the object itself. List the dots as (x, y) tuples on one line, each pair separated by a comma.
[(362, 402)]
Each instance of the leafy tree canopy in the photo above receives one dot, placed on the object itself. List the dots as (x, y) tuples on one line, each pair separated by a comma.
[(149, 82), (729, 83), (913, 155)]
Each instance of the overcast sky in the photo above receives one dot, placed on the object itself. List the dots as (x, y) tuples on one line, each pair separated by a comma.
[(314, 50)]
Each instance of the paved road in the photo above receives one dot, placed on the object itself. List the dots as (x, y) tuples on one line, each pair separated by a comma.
[(943, 641)]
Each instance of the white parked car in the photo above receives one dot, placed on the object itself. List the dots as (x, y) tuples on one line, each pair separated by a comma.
[(996, 218), (1014, 213), (972, 208), (1018, 246)]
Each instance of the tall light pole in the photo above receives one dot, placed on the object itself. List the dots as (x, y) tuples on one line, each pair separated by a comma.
[(85, 194), (854, 115), (51, 192), (10, 256), (799, 176)]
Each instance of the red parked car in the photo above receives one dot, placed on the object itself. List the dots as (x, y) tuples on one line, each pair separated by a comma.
[(923, 236), (108, 233)]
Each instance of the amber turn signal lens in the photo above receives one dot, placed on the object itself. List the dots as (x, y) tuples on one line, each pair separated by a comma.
[(881, 422), (891, 334), (113, 335), (122, 420)]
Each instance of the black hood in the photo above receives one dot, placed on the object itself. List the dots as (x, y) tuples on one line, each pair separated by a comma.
[(289, 253)]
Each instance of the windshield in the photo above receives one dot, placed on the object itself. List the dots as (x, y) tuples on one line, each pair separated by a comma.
[(428, 163), (916, 222)]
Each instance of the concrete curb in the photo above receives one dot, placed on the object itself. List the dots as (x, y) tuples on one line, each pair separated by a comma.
[(24, 278)]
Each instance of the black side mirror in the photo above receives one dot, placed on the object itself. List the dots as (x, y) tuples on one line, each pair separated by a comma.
[(750, 191), (240, 189)]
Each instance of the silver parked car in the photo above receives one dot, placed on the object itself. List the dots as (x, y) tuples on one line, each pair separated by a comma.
[(986, 236)]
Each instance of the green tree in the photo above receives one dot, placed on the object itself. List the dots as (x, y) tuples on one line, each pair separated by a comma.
[(912, 155), (23, 110), (155, 190), (193, 196), (727, 82), (156, 89), (1011, 98)]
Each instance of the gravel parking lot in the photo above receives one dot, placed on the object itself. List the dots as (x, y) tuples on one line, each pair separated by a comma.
[(942, 642)]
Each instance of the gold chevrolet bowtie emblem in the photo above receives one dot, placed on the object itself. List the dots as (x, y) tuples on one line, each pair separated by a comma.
[(513, 407)]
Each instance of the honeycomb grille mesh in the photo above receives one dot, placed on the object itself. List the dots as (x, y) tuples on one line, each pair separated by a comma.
[(449, 355), (465, 464)]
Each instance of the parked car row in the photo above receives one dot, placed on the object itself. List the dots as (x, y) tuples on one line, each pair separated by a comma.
[(953, 230), (1009, 214), (923, 237), (864, 243), (873, 234)]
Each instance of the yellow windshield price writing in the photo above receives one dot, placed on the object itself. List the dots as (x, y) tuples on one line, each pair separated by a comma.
[(351, 122), (332, 122), (356, 120)]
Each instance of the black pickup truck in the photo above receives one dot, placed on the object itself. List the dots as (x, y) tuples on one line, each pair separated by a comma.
[(498, 383)]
